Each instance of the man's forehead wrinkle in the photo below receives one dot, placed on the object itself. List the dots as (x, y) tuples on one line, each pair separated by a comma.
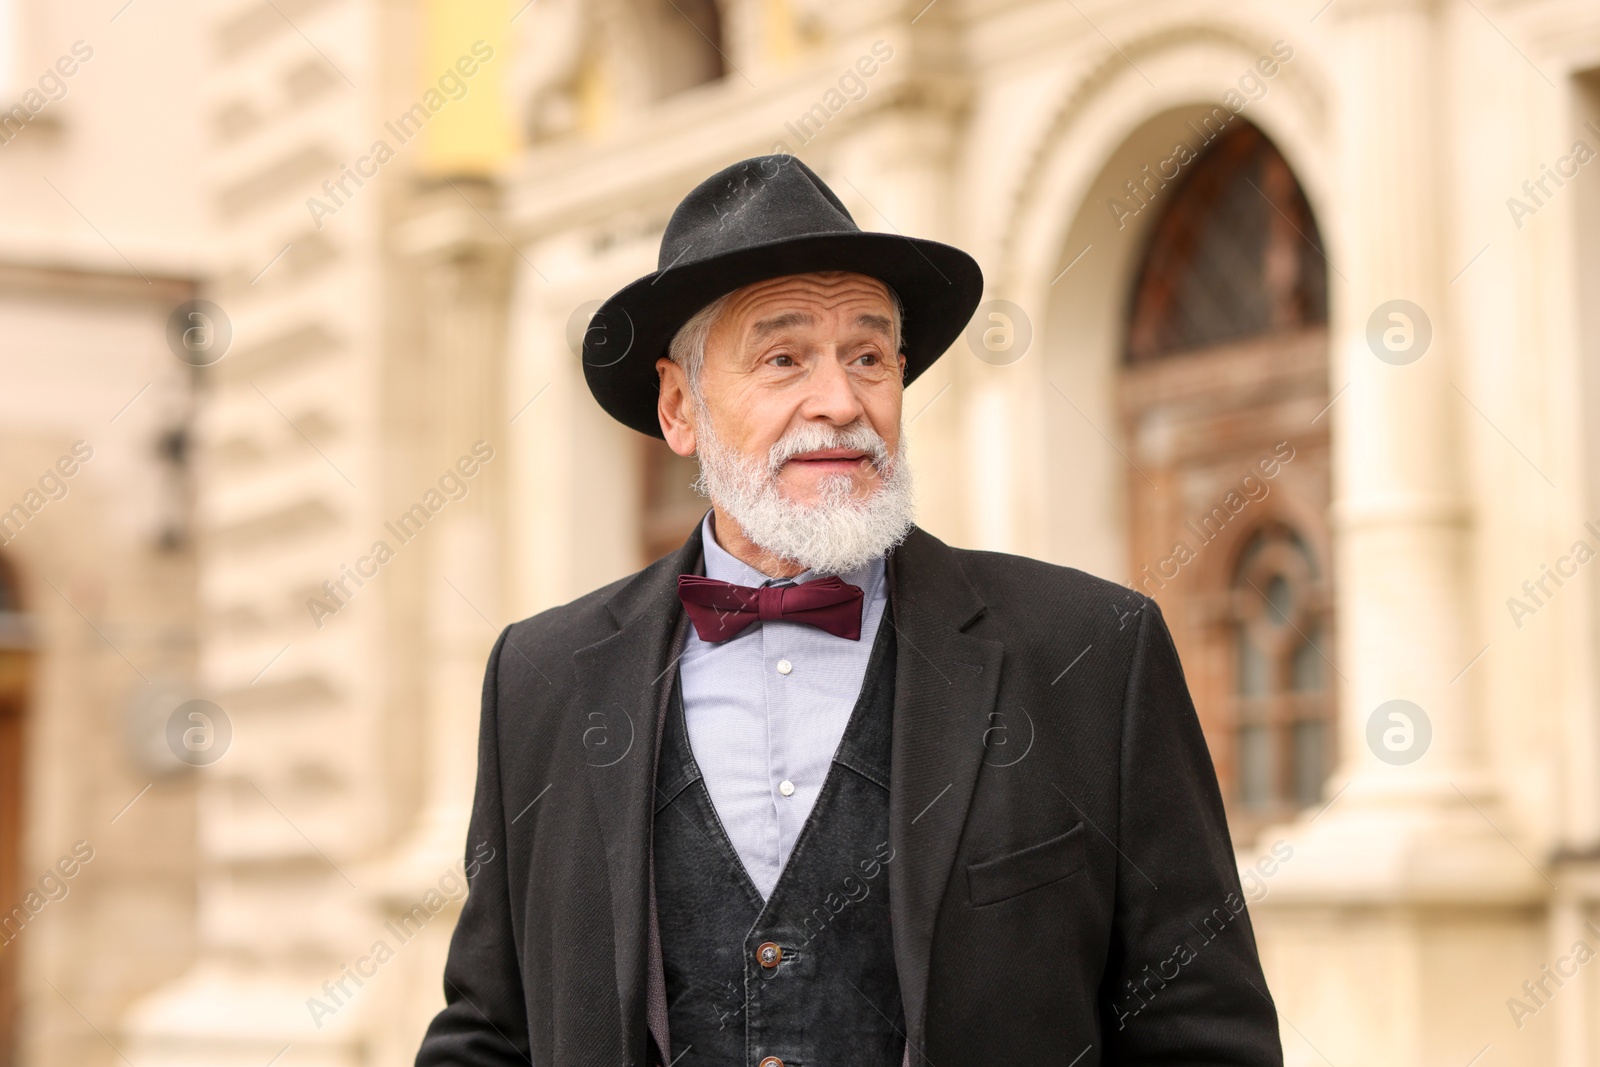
[(797, 316), (831, 290)]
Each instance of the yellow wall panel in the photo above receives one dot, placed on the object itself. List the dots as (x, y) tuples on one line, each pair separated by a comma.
[(466, 65)]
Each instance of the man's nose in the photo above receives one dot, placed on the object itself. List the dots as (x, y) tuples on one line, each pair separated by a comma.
[(832, 394)]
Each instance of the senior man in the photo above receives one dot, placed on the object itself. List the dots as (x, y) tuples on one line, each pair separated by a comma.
[(817, 789)]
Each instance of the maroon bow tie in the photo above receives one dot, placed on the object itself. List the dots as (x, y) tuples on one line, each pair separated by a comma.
[(720, 610)]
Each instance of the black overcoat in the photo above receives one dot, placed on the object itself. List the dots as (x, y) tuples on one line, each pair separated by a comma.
[(1063, 888)]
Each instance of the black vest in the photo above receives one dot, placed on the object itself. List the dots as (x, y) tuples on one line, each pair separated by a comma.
[(832, 999)]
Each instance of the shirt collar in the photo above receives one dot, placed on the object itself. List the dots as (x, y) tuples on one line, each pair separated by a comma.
[(725, 566)]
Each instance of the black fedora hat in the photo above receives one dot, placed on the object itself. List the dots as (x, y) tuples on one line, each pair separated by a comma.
[(762, 218)]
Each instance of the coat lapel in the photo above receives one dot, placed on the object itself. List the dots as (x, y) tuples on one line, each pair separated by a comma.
[(945, 687), (623, 680)]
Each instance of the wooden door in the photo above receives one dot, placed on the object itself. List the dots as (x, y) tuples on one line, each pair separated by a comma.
[(1223, 397)]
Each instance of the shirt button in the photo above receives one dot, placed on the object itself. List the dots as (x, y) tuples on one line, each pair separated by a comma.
[(786, 787), (771, 1061), (784, 666), (768, 954)]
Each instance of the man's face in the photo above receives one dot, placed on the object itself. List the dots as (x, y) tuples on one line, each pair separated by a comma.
[(804, 348)]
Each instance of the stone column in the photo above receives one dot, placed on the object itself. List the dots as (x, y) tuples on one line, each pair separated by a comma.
[(1400, 511), (1399, 508), (464, 267), (1402, 896)]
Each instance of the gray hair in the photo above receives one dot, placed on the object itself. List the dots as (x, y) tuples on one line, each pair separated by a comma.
[(688, 347)]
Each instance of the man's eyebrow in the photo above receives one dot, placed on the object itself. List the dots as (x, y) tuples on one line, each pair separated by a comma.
[(779, 322), (881, 323)]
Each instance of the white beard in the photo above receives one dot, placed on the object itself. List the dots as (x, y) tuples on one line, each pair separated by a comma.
[(841, 531)]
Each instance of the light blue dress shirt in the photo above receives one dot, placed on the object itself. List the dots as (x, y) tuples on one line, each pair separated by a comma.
[(765, 712)]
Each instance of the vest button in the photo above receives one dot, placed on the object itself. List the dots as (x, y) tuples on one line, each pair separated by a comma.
[(771, 1061), (768, 955)]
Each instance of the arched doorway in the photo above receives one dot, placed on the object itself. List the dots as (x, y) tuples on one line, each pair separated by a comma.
[(15, 660), (1223, 390)]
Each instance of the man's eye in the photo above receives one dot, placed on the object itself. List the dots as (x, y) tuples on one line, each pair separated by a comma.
[(782, 360), (868, 359)]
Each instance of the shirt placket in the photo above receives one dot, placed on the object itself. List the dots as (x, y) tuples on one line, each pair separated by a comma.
[(778, 667)]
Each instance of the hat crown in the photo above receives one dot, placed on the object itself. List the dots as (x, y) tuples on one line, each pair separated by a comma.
[(759, 200), (761, 218)]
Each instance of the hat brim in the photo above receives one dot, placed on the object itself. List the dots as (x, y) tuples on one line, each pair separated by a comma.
[(939, 287)]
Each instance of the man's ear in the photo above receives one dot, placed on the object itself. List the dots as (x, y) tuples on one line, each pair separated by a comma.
[(675, 408)]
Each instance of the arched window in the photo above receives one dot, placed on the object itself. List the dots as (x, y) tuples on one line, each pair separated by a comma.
[(1223, 387), (1236, 253), (1281, 707)]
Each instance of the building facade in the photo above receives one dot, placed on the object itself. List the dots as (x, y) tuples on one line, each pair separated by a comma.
[(1289, 323)]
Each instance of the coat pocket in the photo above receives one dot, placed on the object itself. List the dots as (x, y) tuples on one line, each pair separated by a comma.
[(991, 881)]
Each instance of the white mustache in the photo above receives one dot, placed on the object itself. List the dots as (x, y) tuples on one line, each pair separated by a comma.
[(815, 437), (840, 531)]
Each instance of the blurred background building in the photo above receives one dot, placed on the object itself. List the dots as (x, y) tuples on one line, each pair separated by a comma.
[(1293, 316)]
